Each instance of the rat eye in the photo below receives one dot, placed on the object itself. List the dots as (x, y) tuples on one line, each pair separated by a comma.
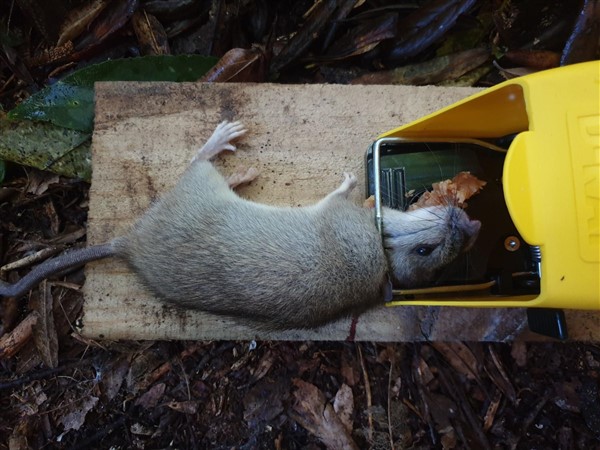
[(424, 250)]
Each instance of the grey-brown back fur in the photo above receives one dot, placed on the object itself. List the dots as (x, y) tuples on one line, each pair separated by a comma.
[(203, 247)]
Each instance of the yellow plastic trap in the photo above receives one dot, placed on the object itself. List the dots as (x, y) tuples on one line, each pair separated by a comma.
[(550, 181)]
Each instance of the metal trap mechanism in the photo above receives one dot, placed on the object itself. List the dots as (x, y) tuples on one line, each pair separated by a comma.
[(501, 263)]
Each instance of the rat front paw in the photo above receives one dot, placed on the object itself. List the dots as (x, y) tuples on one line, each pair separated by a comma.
[(220, 140), (225, 133)]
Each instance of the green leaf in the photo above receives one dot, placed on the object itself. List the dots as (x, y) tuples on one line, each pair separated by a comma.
[(47, 147), (69, 102), (466, 38), (2, 171)]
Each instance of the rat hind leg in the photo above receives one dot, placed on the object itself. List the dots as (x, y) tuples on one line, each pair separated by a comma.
[(242, 176), (220, 140), (343, 190), (346, 187)]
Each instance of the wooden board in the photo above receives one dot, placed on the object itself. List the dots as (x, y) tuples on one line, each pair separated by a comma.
[(301, 138)]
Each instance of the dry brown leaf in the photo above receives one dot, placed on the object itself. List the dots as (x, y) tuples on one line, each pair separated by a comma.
[(490, 414), (18, 439), (514, 72), (141, 372), (29, 404), (451, 192), (536, 59), (264, 402), (109, 21), (240, 65), (566, 396), (317, 21), (150, 34), (78, 19), (364, 37), (443, 411), (460, 357), (343, 405), (113, 376), (424, 372), (348, 371), (264, 365), (51, 55), (187, 407), (311, 410), (38, 182), (308, 365), (388, 354), (449, 440), (498, 375), (11, 312), (152, 396), (39, 395), (44, 331), (518, 351), (76, 418), (52, 215), (68, 238)]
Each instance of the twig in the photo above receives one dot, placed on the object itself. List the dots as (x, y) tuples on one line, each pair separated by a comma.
[(166, 367), (530, 418), (426, 414), (452, 387), (185, 378), (367, 391), (414, 409), (12, 342), (39, 374), (65, 284), (6, 83), (29, 260)]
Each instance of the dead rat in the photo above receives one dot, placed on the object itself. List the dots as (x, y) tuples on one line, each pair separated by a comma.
[(203, 247)]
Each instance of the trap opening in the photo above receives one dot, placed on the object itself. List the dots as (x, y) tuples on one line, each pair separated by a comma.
[(501, 263)]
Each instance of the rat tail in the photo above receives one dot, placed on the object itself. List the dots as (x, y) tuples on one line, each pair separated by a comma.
[(68, 260)]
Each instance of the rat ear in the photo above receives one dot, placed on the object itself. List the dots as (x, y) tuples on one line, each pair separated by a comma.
[(471, 232)]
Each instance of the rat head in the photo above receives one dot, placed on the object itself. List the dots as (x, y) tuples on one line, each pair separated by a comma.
[(419, 243)]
